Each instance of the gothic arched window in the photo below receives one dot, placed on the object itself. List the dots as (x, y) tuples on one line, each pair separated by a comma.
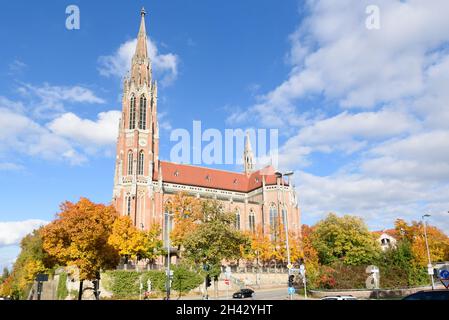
[(140, 163), (132, 113), (273, 217), (252, 221), (237, 219), (130, 163), (143, 113), (128, 205), (284, 216)]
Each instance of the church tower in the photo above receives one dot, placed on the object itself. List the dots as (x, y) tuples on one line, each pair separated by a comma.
[(248, 156), (137, 160)]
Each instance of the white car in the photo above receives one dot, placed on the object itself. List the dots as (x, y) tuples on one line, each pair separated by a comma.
[(339, 298)]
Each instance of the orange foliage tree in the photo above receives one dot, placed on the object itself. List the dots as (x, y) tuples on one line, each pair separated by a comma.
[(187, 211), (79, 237), (414, 233), (261, 248)]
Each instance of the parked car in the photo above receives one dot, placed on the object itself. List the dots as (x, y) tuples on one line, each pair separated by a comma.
[(243, 293), (429, 295), (339, 298)]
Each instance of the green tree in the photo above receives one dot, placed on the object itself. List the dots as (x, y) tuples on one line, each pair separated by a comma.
[(5, 275), (185, 280), (346, 239), (398, 267), (31, 260), (215, 239)]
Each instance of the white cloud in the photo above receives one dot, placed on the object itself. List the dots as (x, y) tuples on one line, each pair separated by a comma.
[(15, 106), (387, 155), (21, 134), (119, 63), (335, 55), (87, 132), (16, 67), (47, 101), (9, 166), (365, 125), (379, 200), (12, 232)]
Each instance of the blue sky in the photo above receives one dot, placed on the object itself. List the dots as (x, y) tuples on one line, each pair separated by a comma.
[(362, 114)]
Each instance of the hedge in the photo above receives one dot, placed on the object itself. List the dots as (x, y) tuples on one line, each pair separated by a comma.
[(126, 284), (62, 291)]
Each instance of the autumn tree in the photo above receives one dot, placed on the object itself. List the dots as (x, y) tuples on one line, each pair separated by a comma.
[(261, 248), (31, 260), (414, 233), (346, 239), (187, 212), (133, 243), (79, 237)]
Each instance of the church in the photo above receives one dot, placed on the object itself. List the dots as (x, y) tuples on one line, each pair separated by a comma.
[(143, 182)]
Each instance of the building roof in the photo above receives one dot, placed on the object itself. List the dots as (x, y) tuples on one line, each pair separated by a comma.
[(391, 232), (216, 179)]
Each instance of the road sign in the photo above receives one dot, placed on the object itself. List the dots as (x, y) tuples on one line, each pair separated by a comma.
[(226, 282), (302, 270), (42, 277), (291, 290), (444, 277), (289, 266), (228, 272)]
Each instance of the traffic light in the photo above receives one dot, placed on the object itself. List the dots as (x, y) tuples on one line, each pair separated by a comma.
[(291, 278), (208, 281)]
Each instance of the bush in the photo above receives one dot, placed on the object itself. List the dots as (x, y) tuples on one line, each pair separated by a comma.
[(157, 278), (123, 284), (126, 284), (185, 280)]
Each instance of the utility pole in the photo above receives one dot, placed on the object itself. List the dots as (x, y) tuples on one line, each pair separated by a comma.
[(167, 230), (429, 266)]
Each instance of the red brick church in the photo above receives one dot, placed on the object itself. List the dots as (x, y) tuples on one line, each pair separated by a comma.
[(143, 182)]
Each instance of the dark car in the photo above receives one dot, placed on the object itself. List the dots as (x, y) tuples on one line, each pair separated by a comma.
[(429, 295), (243, 293), (338, 298)]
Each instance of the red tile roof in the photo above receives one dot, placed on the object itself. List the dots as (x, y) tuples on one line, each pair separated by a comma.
[(214, 178), (391, 232)]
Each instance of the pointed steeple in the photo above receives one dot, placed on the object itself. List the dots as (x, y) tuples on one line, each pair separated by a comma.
[(248, 156), (141, 64), (142, 49)]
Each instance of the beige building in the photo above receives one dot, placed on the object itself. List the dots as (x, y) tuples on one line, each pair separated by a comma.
[(143, 183)]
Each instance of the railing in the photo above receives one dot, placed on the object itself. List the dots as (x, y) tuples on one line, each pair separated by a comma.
[(252, 269), (134, 267)]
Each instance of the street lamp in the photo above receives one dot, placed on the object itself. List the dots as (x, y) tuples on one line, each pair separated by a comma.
[(284, 210), (429, 266), (167, 232)]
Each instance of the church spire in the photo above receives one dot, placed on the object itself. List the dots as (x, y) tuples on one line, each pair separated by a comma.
[(141, 49), (141, 65), (248, 156)]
